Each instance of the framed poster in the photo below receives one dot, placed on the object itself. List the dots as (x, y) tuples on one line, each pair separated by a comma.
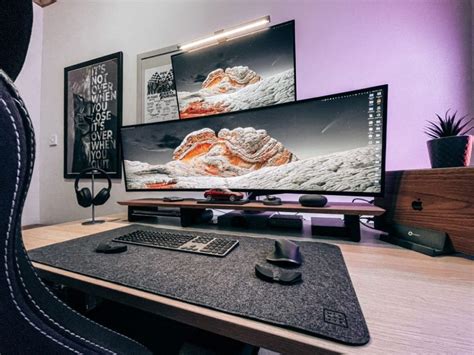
[(93, 115), (156, 99), (247, 72)]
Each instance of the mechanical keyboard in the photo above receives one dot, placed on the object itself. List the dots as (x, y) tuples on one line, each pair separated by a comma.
[(191, 242)]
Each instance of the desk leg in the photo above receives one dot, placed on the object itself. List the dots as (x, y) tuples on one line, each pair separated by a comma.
[(352, 224)]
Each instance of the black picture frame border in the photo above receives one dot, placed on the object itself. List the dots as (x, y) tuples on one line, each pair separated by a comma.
[(381, 193), (119, 57), (289, 22), (142, 58)]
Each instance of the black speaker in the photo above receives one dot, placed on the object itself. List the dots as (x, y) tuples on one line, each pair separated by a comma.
[(313, 200)]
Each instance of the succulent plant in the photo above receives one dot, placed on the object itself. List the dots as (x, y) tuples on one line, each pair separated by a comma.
[(448, 126)]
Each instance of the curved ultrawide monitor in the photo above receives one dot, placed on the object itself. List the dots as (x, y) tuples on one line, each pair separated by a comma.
[(330, 145)]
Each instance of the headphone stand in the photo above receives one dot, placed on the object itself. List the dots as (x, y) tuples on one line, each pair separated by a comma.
[(93, 220)]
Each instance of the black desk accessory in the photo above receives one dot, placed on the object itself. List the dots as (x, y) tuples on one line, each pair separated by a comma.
[(286, 253), (109, 248), (271, 201), (286, 221), (87, 198), (177, 199), (422, 240), (284, 277), (242, 219), (173, 199), (154, 214), (313, 200), (325, 304)]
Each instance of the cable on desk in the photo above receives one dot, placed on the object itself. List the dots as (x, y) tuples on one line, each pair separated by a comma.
[(371, 202), (221, 211), (363, 199), (368, 225), (368, 220)]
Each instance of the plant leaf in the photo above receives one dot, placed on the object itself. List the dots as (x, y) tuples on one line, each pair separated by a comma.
[(434, 132), (464, 131), (450, 125), (431, 135)]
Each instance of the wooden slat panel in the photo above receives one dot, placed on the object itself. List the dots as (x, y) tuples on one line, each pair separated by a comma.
[(447, 196)]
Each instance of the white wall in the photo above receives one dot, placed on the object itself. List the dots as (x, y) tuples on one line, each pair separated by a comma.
[(29, 86), (418, 47)]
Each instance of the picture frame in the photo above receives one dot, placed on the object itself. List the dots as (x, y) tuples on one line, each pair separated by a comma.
[(156, 94), (93, 94)]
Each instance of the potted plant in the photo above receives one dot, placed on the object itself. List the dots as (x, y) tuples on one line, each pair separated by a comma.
[(451, 145)]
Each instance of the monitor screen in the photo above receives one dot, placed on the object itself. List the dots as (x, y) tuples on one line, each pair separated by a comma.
[(250, 71), (333, 145)]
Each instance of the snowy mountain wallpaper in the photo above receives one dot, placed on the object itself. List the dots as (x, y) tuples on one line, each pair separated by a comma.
[(247, 72), (311, 145)]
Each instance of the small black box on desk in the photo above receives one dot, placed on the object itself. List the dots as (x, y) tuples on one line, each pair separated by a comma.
[(287, 221)]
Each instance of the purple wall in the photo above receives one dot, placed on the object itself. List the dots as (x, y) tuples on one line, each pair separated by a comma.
[(422, 49)]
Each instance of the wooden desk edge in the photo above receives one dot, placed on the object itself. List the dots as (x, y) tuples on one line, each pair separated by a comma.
[(388, 262), (243, 329)]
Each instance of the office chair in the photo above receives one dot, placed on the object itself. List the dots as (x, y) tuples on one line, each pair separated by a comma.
[(32, 319)]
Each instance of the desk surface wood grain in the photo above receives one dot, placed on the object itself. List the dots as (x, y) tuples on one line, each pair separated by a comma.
[(412, 303)]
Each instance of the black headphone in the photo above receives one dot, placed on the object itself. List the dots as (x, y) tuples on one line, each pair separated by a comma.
[(84, 196)]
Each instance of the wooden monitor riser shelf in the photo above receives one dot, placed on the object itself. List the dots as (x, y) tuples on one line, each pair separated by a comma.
[(350, 227)]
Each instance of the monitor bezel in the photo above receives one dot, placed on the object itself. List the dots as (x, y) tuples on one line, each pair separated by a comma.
[(381, 193)]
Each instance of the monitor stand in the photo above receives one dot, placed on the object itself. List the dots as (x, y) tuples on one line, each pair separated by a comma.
[(93, 220)]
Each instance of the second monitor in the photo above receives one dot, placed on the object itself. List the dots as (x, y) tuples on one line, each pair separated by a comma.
[(332, 145)]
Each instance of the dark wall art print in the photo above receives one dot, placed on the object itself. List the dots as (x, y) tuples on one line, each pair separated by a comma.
[(93, 115)]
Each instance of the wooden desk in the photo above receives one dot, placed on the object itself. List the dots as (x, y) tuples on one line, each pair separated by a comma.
[(412, 303)]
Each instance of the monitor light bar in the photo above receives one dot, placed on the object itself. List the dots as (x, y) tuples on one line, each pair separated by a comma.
[(224, 34)]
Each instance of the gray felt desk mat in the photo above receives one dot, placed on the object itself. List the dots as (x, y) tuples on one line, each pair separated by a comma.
[(324, 304)]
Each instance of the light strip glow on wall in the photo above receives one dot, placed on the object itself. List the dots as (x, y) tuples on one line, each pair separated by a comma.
[(227, 33)]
